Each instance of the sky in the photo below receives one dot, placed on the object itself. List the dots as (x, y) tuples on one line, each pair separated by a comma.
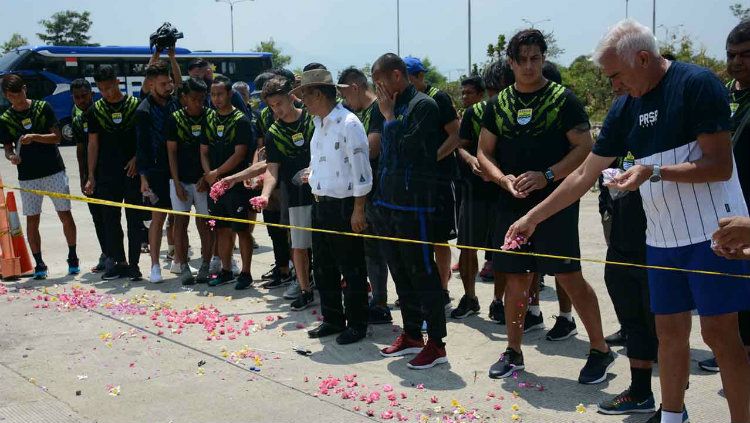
[(341, 33)]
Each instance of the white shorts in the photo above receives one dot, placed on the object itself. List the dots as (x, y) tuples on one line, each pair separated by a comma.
[(32, 203), (301, 216), (194, 198)]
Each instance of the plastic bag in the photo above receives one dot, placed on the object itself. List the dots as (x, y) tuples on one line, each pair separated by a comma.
[(300, 178), (609, 176)]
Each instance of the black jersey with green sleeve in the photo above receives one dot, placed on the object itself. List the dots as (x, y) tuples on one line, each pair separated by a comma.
[(448, 166), (37, 160), (739, 104), (531, 132), (288, 144), (80, 132), (471, 127), (189, 132), (115, 126), (226, 132)]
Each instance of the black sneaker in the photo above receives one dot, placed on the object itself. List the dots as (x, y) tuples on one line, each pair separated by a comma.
[(224, 276), (244, 281), (377, 315), (656, 418), (350, 336), (627, 404), (101, 265), (597, 365), (466, 307), (278, 280), (532, 322), (497, 312), (134, 273), (115, 272), (510, 362), (709, 365), (270, 274), (563, 329), (446, 300), (40, 272), (303, 301), (616, 339)]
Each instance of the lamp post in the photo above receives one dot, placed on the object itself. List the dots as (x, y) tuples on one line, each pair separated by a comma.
[(231, 4), (398, 28), (468, 68), (653, 17), (627, 15)]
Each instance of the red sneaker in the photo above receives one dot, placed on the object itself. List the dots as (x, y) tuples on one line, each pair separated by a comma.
[(403, 345), (487, 274), (431, 356)]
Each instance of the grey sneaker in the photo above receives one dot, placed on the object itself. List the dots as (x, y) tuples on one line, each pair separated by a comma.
[(293, 292), (203, 273), (186, 276)]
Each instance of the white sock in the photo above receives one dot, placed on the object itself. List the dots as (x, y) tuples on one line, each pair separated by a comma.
[(534, 309), (669, 417), (568, 316)]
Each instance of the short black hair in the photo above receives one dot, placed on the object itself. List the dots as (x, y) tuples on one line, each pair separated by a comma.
[(261, 80), (390, 62), (740, 33), (474, 81), (12, 83), (328, 91), (313, 66), (80, 83), (526, 37), (223, 80), (284, 73), (195, 85), (353, 76), (551, 72), (197, 63), (158, 68), (105, 73), (277, 85), (498, 75)]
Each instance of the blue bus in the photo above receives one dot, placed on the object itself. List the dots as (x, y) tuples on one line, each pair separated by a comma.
[(49, 70)]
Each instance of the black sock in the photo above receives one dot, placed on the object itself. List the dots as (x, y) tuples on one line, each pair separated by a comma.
[(72, 252), (38, 258), (640, 385)]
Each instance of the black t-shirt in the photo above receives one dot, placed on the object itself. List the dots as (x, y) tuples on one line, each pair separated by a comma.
[(448, 167), (224, 133), (115, 126), (531, 133), (189, 132), (151, 118), (471, 127), (288, 144), (80, 130), (739, 102), (37, 160)]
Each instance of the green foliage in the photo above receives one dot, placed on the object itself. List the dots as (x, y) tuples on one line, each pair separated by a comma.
[(67, 28), (16, 40), (585, 79), (433, 76), (497, 50), (740, 12), (279, 60), (683, 48)]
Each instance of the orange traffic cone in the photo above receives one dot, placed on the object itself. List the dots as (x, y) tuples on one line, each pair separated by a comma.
[(10, 265), (16, 234)]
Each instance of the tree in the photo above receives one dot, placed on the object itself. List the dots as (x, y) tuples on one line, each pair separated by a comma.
[(585, 79), (67, 28), (433, 76), (740, 12), (279, 60), (16, 40), (497, 51)]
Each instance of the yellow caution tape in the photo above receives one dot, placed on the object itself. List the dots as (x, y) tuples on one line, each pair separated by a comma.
[(92, 200)]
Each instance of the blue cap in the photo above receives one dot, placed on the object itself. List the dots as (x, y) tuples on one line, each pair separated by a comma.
[(414, 65)]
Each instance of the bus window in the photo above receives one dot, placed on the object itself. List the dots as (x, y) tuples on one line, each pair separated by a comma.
[(9, 60)]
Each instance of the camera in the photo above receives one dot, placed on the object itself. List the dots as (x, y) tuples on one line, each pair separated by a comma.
[(164, 37)]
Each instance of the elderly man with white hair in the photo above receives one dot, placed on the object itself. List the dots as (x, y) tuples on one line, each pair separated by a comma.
[(675, 121)]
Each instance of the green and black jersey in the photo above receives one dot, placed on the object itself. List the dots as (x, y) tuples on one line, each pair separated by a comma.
[(373, 124), (189, 132), (224, 133), (115, 126), (80, 129), (739, 102), (471, 127), (37, 160), (288, 144), (448, 167), (531, 132)]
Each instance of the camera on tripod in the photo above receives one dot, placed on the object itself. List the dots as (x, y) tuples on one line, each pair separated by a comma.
[(165, 37)]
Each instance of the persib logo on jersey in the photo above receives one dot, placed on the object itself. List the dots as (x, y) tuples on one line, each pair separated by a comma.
[(524, 116), (26, 123), (195, 130), (648, 119)]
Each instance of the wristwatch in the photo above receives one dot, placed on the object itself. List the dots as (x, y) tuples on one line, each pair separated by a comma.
[(656, 174), (549, 175)]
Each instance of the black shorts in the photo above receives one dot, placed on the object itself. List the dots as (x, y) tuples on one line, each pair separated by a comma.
[(235, 203), (445, 214), (474, 222), (557, 235), (159, 184)]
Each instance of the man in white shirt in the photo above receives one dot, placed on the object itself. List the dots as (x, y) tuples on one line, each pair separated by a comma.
[(340, 179)]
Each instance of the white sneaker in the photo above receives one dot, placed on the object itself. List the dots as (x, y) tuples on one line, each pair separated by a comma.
[(155, 276), (294, 291), (215, 266), (235, 268), (176, 268)]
